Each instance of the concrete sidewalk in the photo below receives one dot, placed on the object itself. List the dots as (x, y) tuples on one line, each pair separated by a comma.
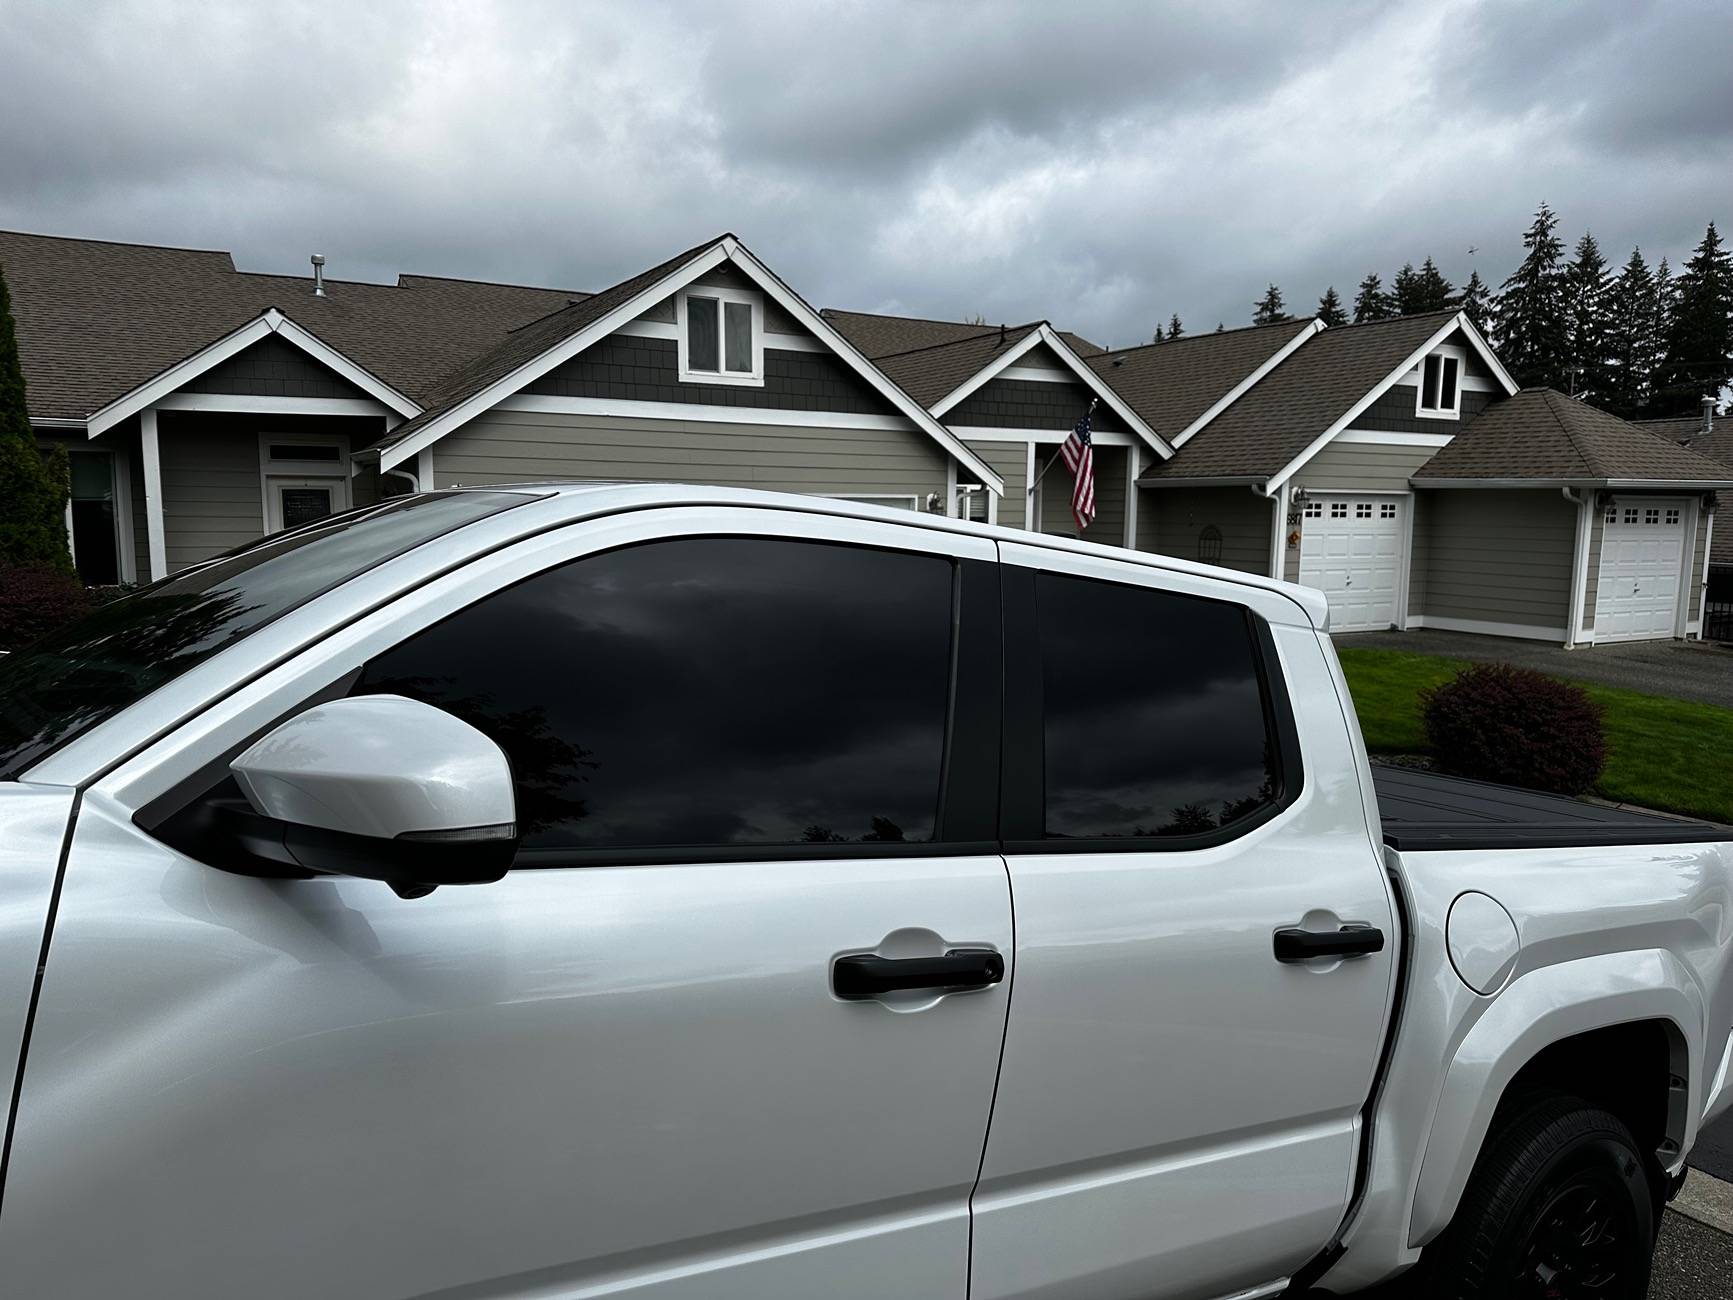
[(1683, 670)]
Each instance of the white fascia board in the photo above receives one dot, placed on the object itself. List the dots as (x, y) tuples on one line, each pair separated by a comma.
[(1486, 354), (1045, 333), (1607, 484), (366, 381), (856, 361), (1371, 395), (249, 404), (45, 422), (1379, 438), (557, 355), (147, 393), (1240, 389), (696, 413), (1213, 480)]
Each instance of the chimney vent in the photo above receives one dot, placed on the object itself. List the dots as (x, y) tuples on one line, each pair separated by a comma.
[(318, 275), (1708, 415)]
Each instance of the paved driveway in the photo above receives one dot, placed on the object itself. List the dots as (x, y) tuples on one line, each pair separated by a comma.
[(1685, 670)]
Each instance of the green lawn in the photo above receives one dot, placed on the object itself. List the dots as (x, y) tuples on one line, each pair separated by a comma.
[(1662, 753)]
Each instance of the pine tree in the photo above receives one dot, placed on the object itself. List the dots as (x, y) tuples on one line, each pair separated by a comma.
[(1477, 303), (1174, 327), (1371, 302), (1531, 316), (1699, 338), (33, 485), (1585, 321), (1405, 291), (1432, 290), (1633, 338), (1158, 337), (1270, 310), (1330, 309)]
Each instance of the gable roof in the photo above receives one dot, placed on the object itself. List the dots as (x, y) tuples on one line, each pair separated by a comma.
[(96, 320), (1303, 401), (1180, 384), (1687, 430), (549, 342), (878, 335), (1542, 436)]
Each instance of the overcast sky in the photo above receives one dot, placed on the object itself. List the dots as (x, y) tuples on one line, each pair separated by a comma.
[(1101, 165)]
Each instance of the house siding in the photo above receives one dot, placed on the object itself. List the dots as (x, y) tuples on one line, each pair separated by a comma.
[(1499, 557), (1699, 567), (1169, 521), (1362, 467), (273, 367), (1009, 460), (1030, 404), (1592, 588), (211, 495), (512, 446), (624, 368), (1420, 552), (1393, 412), (1108, 526)]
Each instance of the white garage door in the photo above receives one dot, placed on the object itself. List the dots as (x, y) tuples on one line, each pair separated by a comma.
[(1351, 550), (1642, 569)]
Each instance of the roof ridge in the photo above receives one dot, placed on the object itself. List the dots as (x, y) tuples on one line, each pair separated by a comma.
[(492, 284), (1547, 394), (1195, 338), (953, 343), (121, 243), (922, 320)]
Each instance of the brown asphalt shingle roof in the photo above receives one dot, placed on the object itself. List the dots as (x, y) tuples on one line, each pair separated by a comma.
[(1541, 434), (1687, 431), (1286, 411), (1170, 384), (876, 335), (97, 319), (928, 374), (532, 340)]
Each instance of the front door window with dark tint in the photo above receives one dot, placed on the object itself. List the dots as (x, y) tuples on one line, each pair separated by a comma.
[(706, 692), (1156, 721)]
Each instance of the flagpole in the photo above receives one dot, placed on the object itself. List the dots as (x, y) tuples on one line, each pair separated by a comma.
[(1049, 465)]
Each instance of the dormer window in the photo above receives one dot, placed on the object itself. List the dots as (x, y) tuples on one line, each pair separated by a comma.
[(1441, 385), (721, 335)]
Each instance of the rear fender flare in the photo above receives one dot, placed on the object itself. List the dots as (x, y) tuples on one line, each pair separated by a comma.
[(1539, 1009)]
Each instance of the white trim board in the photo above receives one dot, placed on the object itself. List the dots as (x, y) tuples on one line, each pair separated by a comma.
[(699, 413), (1240, 389), (983, 433), (1486, 628), (1045, 333), (248, 404), (669, 332), (1378, 438), (273, 321), (1456, 322), (726, 249)]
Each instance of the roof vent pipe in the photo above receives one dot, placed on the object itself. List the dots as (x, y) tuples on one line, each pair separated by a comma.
[(1708, 415), (318, 275)]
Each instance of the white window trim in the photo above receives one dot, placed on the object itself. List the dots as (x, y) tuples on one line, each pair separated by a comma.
[(749, 379), (337, 472), (1454, 410)]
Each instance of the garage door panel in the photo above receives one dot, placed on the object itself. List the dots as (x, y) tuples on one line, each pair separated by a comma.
[(1351, 549), (1643, 550)]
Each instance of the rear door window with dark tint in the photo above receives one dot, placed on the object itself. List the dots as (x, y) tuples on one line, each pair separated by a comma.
[(1157, 721), (705, 692)]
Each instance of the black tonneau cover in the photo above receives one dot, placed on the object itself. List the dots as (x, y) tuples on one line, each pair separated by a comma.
[(1423, 810)]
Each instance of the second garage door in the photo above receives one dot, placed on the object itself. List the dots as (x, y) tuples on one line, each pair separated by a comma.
[(1642, 568), (1351, 550)]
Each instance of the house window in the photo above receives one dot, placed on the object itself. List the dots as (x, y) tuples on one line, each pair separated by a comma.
[(1441, 385), (91, 518), (1338, 509), (721, 336), (1362, 510), (1387, 510)]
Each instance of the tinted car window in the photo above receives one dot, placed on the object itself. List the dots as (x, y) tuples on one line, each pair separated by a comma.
[(707, 691), (1156, 719), (90, 670)]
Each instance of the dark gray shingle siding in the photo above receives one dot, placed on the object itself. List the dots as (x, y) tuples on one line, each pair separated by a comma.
[(1393, 412), (273, 367), (1030, 404)]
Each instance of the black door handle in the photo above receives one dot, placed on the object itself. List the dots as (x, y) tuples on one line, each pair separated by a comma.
[(867, 975), (1349, 941)]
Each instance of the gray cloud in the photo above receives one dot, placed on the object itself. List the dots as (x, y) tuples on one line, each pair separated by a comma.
[(1102, 165)]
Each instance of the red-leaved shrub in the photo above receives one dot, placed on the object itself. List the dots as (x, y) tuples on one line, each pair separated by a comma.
[(33, 602), (1501, 723)]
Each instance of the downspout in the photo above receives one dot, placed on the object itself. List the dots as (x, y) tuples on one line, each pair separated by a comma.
[(1584, 502), (405, 475), (1278, 523)]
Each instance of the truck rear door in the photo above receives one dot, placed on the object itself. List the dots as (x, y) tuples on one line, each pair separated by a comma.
[(1177, 1107)]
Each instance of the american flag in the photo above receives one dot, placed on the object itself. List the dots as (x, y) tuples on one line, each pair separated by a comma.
[(1079, 454)]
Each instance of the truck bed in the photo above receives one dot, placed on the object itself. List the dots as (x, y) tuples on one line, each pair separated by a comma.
[(1424, 811)]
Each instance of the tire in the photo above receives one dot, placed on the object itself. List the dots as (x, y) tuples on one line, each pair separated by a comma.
[(1559, 1206)]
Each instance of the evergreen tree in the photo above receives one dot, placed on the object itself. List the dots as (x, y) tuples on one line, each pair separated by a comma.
[(33, 485), (1699, 338), (1476, 302), (1159, 336), (1405, 291), (1371, 302), (1270, 310), (1174, 327), (1531, 316), (1633, 338), (1586, 346), (1221, 327), (1330, 309), (1431, 290)]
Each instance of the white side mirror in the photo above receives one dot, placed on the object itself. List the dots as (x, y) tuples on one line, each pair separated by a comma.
[(384, 787)]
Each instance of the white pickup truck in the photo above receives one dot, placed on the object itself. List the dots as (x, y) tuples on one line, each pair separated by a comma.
[(583, 891)]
